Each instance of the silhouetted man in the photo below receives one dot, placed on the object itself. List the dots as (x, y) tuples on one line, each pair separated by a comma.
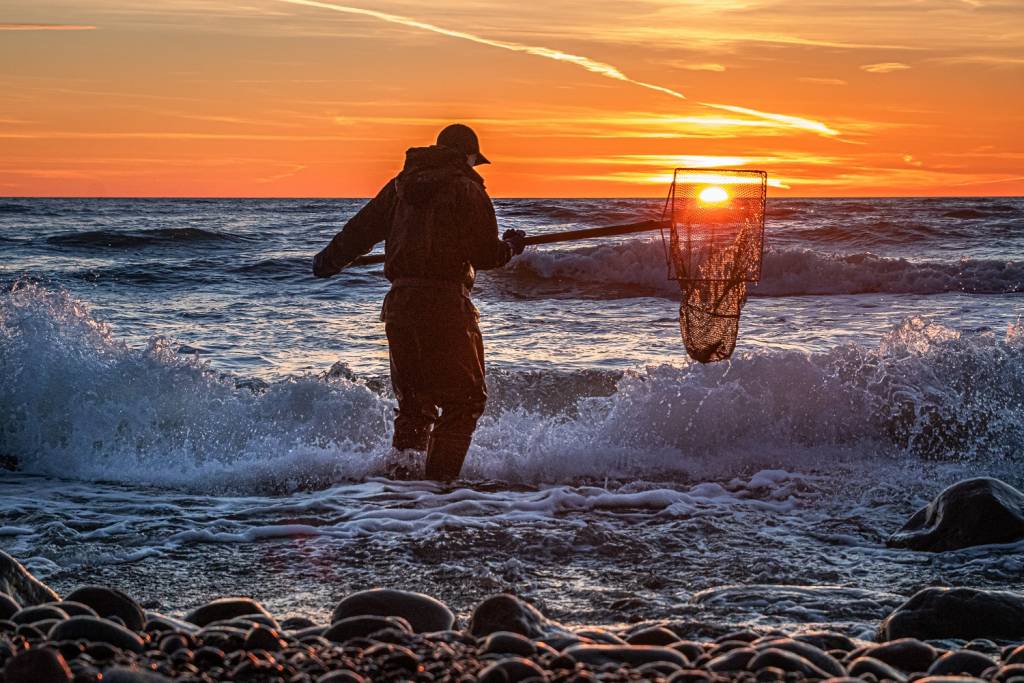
[(439, 228)]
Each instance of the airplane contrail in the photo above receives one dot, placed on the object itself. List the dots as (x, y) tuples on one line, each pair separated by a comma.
[(591, 65)]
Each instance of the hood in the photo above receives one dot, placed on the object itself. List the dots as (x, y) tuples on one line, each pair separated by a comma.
[(428, 170)]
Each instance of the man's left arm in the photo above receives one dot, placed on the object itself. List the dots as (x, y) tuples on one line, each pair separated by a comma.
[(486, 250), (360, 234)]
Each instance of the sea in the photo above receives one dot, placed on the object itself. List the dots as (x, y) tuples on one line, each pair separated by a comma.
[(190, 414)]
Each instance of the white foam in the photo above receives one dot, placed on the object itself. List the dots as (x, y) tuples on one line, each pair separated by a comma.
[(81, 404)]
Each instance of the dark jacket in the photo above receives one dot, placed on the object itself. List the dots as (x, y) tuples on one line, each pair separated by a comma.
[(436, 219)]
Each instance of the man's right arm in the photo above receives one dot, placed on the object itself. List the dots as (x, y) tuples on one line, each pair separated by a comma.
[(360, 234)]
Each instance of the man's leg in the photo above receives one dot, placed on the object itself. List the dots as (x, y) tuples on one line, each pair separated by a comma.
[(416, 412), (459, 389)]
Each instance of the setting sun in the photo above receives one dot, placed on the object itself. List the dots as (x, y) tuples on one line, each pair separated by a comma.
[(713, 195)]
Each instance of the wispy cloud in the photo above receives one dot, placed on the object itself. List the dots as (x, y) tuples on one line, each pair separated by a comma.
[(46, 27), (594, 66), (980, 60), (821, 81), (698, 67), (591, 65), (884, 67)]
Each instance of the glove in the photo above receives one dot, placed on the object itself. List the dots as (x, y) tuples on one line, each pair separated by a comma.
[(516, 239), (320, 266)]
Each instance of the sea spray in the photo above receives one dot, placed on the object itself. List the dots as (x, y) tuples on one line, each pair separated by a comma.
[(77, 402)]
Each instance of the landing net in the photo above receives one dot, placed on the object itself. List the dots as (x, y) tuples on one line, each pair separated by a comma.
[(713, 247)]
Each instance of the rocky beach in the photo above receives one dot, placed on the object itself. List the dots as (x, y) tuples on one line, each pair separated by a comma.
[(940, 635)]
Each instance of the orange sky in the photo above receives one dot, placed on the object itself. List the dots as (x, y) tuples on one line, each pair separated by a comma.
[(570, 97)]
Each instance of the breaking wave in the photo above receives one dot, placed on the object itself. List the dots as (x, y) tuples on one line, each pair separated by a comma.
[(791, 272), (79, 403)]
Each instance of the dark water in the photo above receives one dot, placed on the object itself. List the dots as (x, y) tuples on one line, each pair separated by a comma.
[(196, 415)]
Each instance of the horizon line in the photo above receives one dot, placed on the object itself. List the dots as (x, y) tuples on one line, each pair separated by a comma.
[(367, 198)]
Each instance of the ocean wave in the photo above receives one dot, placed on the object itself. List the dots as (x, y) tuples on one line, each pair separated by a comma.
[(79, 403), (139, 238), (640, 265), (14, 207)]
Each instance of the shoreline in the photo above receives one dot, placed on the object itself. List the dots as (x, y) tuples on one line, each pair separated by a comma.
[(97, 634)]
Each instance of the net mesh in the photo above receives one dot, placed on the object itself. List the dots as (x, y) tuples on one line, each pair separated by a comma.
[(714, 245)]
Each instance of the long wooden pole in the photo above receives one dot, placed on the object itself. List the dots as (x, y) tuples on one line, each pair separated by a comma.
[(567, 236)]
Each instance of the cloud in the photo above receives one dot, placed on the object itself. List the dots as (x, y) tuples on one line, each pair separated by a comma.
[(884, 67), (698, 67), (46, 27), (822, 81), (980, 60), (591, 65)]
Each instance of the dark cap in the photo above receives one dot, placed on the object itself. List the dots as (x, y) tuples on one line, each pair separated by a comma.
[(461, 137)]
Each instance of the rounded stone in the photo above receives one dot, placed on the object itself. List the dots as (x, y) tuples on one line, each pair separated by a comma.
[(424, 613), (512, 670), (827, 640), (816, 656), (505, 642), (690, 676), (875, 667), (733, 660), (74, 609), (961, 662), (263, 638), (688, 648), (110, 602), (361, 627), (225, 609), (785, 660), (344, 676), (96, 630), (38, 665), (507, 613), (909, 655), (31, 615), (633, 655), (971, 512), (965, 613), (655, 635), (8, 606)]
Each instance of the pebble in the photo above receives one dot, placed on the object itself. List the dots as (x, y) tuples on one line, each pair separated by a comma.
[(906, 654), (38, 665), (247, 648), (359, 627), (224, 609), (504, 642), (424, 613), (655, 635), (97, 630), (965, 662), (31, 615)]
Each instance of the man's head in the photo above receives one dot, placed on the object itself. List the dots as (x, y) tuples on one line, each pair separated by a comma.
[(462, 138)]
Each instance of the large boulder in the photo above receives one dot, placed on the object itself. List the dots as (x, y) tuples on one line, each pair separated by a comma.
[(508, 613), (971, 512), (19, 584), (935, 613), (110, 602), (424, 613)]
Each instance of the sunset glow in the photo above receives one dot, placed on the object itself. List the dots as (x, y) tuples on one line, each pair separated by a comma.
[(310, 98), (713, 195)]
